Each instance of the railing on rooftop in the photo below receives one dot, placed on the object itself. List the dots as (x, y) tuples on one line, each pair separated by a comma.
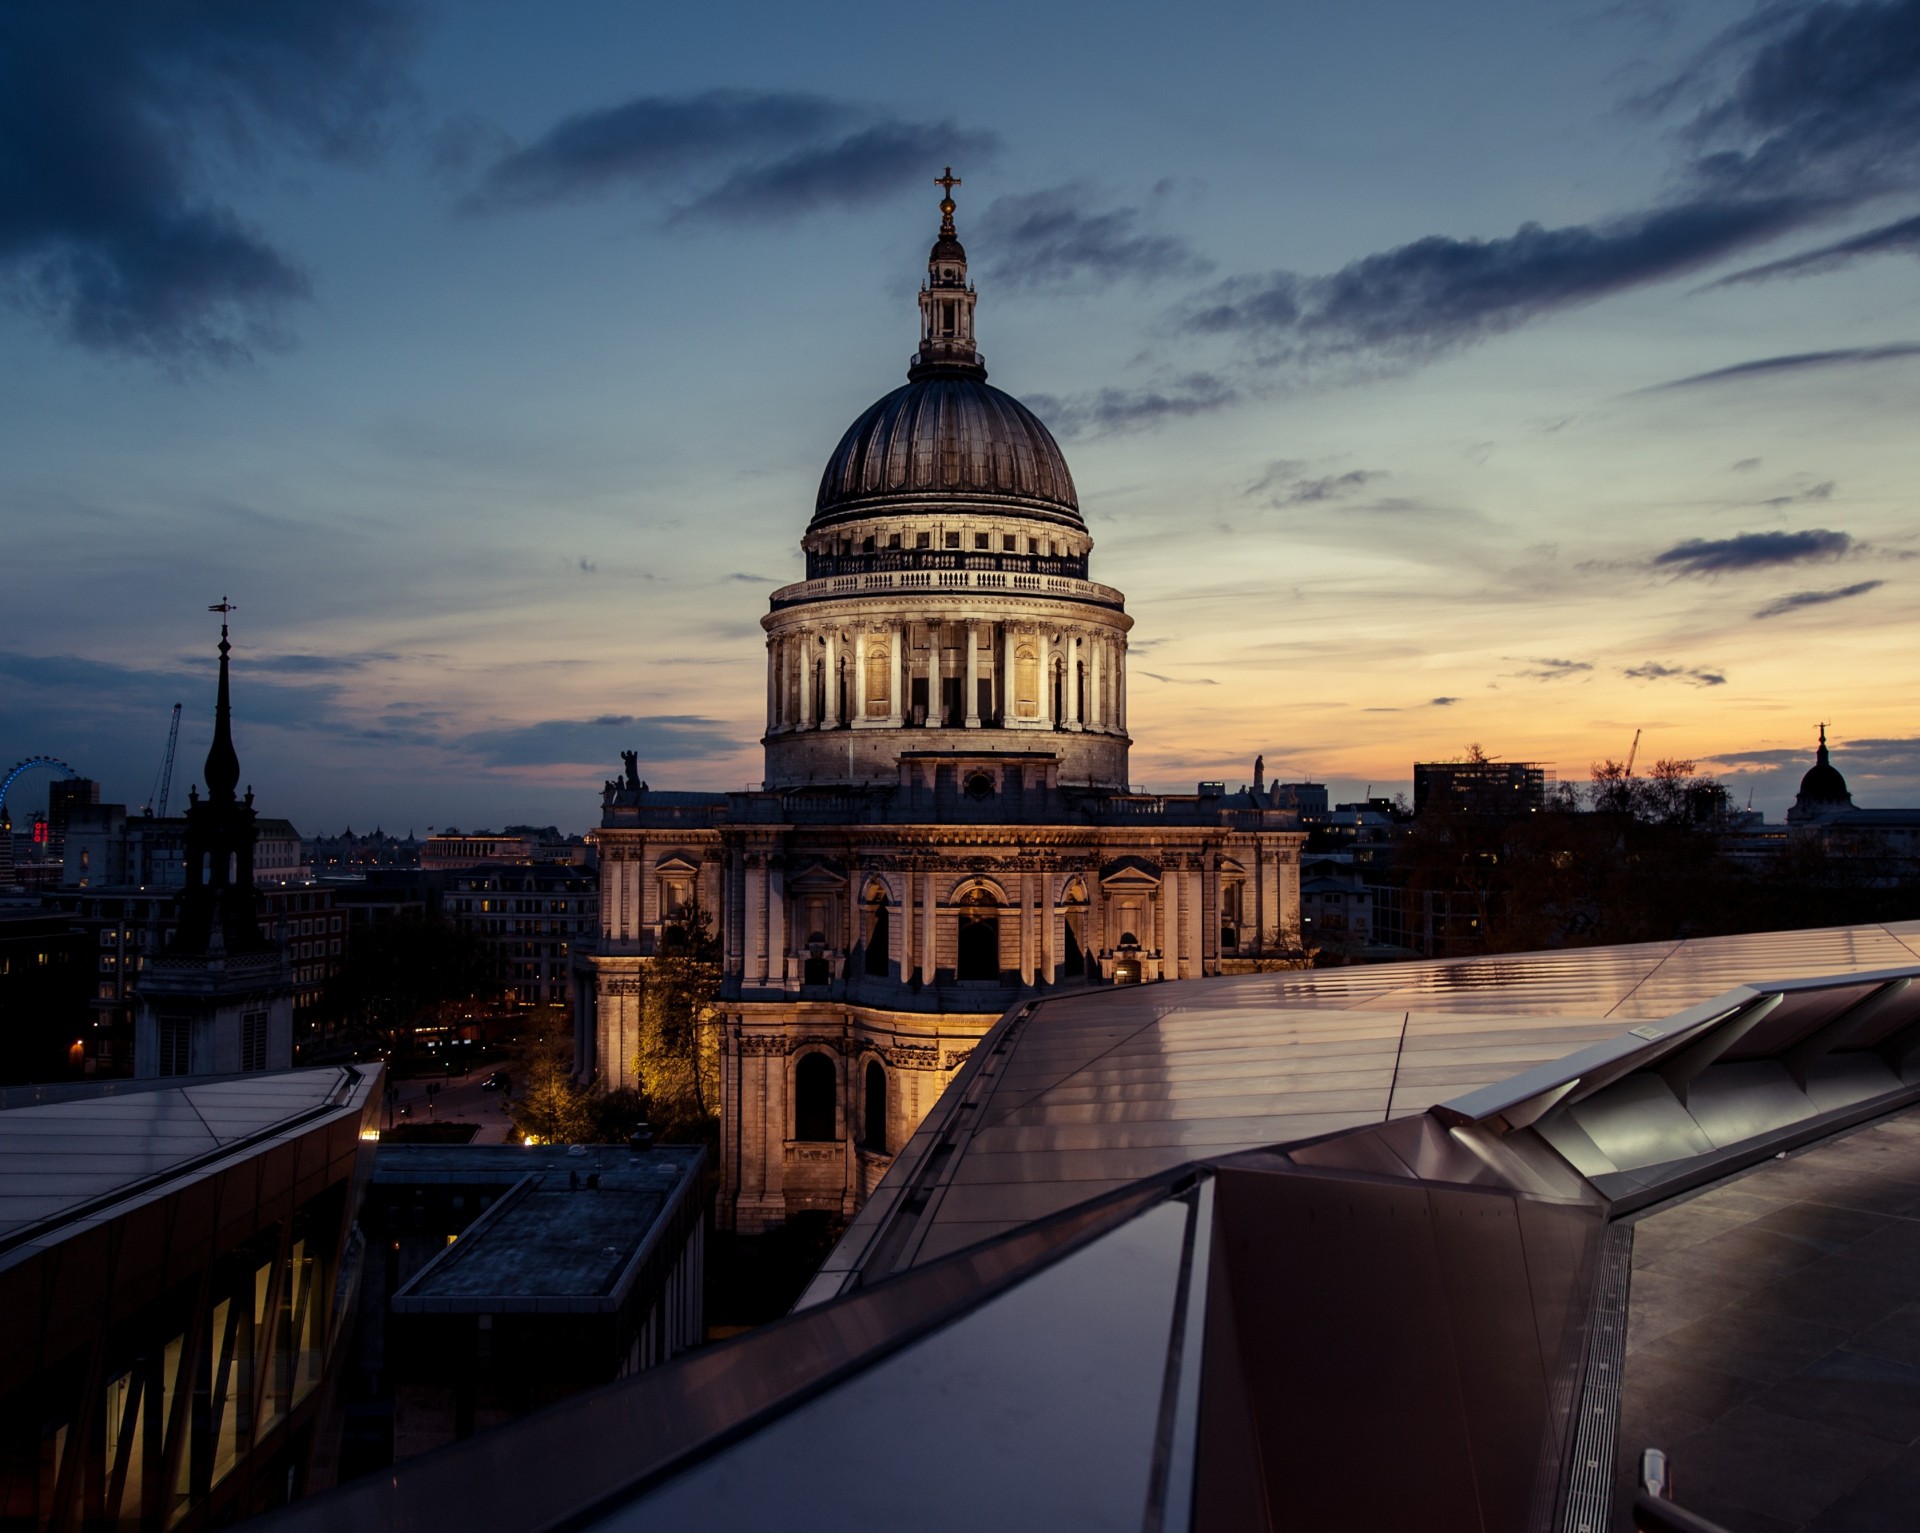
[(1066, 587)]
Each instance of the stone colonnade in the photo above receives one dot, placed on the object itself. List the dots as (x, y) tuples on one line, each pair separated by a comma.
[(1006, 674)]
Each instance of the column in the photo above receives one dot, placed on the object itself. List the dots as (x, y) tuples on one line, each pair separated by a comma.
[(773, 680), (927, 953), (1096, 715), (1262, 896), (803, 642), (1170, 926), (1073, 681), (734, 893), (1026, 929), (894, 715), (1046, 680), (831, 719), (857, 693), (933, 675), (777, 942), (1196, 911), (1120, 685), (756, 933), (973, 677), (1049, 954), (903, 920)]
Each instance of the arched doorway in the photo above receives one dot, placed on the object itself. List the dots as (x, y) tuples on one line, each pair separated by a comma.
[(879, 939), (814, 1092), (979, 936), (874, 1121)]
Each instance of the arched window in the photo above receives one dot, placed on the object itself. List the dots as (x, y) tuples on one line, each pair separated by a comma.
[(979, 936), (874, 1123), (879, 940), (814, 1091)]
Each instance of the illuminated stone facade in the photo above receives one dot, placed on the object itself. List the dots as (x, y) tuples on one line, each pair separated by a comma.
[(945, 825)]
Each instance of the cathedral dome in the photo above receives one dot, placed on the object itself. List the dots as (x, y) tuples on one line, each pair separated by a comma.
[(947, 435), (1823, 784)]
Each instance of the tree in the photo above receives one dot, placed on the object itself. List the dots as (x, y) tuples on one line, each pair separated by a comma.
[(677, 1061), (551, 1108)]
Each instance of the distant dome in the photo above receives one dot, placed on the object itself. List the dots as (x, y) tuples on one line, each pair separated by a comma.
[(1822, 790), (1823, 784), (947, 435)]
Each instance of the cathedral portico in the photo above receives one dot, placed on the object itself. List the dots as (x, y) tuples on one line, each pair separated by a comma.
[(945, 825)]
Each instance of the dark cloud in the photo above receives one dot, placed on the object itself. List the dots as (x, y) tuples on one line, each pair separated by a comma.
[(314, 665), (1283, 484), (1182, 681), (1440, 292), (729, 155), (748, 578), (1891, 239), (1798, 116), (1850, 356), (589, 566), (116, 123), (566, 742), (1752, 551), (1116, 410), (1057, 237), (1443, 702), (1693, 675), (1794, 601), (1746, 466), (1547, 669), (1821, 98)]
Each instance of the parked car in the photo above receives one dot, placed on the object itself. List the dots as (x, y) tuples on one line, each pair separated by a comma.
[(498, 1081)]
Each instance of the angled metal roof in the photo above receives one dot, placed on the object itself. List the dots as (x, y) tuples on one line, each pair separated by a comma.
[(1286, 1251)]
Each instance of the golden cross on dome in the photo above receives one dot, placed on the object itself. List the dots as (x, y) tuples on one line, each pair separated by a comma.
[(947, 182)]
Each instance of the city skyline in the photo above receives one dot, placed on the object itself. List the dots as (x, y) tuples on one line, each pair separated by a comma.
[(1504, 377)]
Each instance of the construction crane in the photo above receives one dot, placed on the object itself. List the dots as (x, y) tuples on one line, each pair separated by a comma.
[(157, 805), (1628, 773)]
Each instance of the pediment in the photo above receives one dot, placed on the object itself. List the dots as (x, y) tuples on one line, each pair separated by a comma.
[(1129, 873), (676, 862), (817, 878)]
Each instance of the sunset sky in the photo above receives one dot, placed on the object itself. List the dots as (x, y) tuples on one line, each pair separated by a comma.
[(1513, 373)]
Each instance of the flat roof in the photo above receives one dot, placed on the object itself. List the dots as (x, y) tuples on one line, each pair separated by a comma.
[(551, 1242)]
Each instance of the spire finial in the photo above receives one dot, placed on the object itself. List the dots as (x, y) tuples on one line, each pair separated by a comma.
[(223, 762), (946, 184), (1821, 755)]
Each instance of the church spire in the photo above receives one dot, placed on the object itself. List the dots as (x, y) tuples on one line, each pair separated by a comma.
[(223, 762), (946, 301)]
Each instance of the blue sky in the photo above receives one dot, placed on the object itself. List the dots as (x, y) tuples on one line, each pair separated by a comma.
[(1520, 374)]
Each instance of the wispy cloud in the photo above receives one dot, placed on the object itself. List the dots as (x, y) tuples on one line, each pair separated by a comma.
[(1693, 675), (1115, 410), (1798, 362), (740, 156), (1752, 551), (1061, 236), (1794, 601), (1902, 238), (115, 122), (1285, 484), (1549, 669), (1182, 681)]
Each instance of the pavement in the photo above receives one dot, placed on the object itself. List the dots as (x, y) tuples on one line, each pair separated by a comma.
[(459, 1100)]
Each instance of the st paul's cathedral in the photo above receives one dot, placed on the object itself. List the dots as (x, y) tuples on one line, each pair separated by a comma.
[(945, 826)]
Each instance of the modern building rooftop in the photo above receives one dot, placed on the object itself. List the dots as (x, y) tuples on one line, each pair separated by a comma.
[(1313, 1249), (569, 1234), (73, 1152)]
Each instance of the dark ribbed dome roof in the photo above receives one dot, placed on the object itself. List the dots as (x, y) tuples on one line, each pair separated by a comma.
[(947, 435), (1823, 784)]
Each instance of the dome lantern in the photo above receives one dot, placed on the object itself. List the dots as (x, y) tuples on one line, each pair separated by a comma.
[(946, 302)]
